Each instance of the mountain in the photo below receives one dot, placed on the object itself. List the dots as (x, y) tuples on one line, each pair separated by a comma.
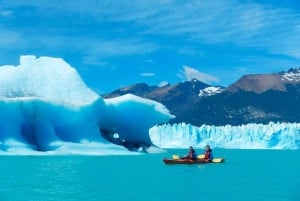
[(262, 83), (177, 98), (256, 98), (140, 89)]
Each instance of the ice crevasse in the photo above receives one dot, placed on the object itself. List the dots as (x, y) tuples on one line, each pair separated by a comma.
[(47, 108)]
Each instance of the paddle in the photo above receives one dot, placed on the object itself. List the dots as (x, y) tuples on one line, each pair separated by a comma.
[(201, 156), (217, 160)]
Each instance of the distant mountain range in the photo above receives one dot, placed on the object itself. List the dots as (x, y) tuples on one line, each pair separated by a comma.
[(257, 98)]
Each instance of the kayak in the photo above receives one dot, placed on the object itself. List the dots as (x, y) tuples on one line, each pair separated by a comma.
[(176, 160), (189, 161)]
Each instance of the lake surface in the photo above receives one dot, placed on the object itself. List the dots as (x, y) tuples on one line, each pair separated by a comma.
[(271, 175)]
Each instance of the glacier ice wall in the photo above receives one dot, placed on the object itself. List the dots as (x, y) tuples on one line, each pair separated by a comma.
[(46, 107), (249, 136)]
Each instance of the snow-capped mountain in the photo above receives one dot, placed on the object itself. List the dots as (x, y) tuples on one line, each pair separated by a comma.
[(258, 98), (210, 91), (292, 75), (260, 83), (178, 97), (252, 99)]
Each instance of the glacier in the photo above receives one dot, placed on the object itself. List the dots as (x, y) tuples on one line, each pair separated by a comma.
[(249, 136), (46, 108)]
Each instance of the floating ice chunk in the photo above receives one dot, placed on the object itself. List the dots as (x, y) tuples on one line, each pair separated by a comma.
[(46, 107)]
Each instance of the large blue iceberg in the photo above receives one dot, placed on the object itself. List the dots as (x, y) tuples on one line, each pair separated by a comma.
[(249, 136), (47, 108)]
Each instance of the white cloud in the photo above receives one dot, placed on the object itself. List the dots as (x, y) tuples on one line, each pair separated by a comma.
[(94, 61), (251, 25), (147, 74), (163, 84), (191, 51), (99, 48), (255, 25), (149, 61), (190, 73)]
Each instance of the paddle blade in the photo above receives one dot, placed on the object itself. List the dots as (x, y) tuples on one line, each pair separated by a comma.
[(201, 156), (218, 160)]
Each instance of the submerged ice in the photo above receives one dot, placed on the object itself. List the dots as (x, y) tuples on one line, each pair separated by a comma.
[(249, 136), (45, 106)]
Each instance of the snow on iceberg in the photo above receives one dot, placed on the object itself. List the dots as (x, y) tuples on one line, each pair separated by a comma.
[(46, 107), (48, 79), (249, 136)]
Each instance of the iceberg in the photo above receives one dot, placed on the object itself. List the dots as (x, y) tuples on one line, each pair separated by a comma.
[(46, 108), (249, 136)]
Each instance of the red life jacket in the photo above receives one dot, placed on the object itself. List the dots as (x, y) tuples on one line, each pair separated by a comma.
[(208, 155)]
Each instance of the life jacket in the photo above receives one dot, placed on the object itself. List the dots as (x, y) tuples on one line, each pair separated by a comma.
[(192, 154), (209, 155)]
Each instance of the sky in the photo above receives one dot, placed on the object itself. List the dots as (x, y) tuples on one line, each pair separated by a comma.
[(116, 43)]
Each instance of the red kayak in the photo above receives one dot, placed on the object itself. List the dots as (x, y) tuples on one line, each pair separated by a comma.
[(189, 161)]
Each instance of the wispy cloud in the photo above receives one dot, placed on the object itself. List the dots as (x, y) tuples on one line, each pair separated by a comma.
[(147, 74), (5, 13), (121, 47), (118, 31), (163, 83), (90, 32), (149, 61), (94, 61), (214, 21), (251, 25), (255, 35), (99, 52), (191, 51), (9, 39), (190, 73)]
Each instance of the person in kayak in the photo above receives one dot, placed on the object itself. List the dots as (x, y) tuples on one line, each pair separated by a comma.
[(208, 155), (192, 155)]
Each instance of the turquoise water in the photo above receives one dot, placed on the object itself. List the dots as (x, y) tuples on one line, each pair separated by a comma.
[(271, 175)]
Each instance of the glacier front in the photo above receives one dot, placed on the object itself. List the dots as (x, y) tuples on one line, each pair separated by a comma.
[(47, 108), (249, 136)]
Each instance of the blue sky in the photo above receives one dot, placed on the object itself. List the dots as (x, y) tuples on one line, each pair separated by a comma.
[(117, 43)]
